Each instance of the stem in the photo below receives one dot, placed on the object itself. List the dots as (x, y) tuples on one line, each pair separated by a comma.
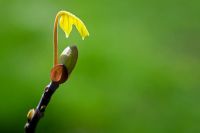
[(55, 37), (39, 111)]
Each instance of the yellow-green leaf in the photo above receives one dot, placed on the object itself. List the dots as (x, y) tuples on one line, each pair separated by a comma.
[(67, 20)]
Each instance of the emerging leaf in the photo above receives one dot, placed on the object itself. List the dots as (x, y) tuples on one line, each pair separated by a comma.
[(67, 20)]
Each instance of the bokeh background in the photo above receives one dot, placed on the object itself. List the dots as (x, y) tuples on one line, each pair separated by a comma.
[(138, 72)]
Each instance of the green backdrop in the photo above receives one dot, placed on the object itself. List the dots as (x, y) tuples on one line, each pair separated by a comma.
[(138, 72)]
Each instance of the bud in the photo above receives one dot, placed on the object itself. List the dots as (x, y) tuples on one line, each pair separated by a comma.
[(30, 114), (69, 57)]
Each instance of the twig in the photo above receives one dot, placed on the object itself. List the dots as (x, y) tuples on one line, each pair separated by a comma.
[(59, 75), (39, 111)]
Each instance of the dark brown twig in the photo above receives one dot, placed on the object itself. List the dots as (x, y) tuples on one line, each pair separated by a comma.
[(59, 75), (39, 111)]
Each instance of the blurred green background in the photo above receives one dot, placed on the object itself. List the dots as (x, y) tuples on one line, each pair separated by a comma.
[(138, 72)]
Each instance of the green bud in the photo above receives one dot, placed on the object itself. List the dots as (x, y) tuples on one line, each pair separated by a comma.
[(69, 57)]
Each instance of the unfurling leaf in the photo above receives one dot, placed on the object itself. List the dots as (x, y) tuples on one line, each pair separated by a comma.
[(67, 20)]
